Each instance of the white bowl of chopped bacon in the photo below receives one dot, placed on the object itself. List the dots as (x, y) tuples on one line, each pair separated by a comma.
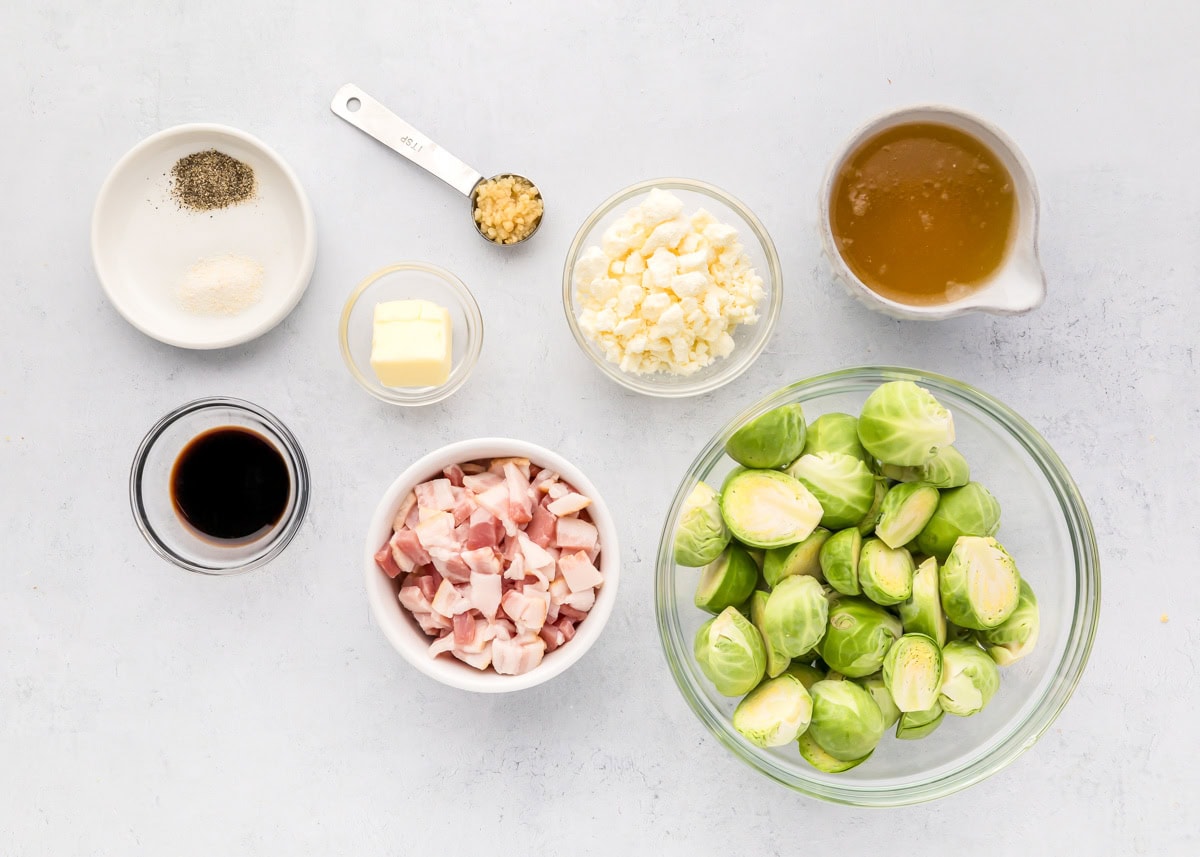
[(492, 564)]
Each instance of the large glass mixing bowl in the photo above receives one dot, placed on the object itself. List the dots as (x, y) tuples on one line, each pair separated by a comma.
[(1044, 525)]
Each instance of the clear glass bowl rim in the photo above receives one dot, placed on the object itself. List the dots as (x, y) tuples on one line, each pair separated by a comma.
[(287, 440), (744, 359), (458, 374), (1080, 635)]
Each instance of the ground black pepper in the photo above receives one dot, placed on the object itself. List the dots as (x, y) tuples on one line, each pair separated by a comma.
[(210, 179)]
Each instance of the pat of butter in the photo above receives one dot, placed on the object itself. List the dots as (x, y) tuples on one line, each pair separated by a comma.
[(411, 344)]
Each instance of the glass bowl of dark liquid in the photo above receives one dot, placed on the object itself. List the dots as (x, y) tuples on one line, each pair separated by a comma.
[(219, 486)]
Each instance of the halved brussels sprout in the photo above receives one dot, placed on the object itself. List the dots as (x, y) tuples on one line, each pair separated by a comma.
[(884, 574), (729, 651), (846, 722), (769, 509), (835, 433), (777, 661), (727, 581), (967, 511), (841, 483), (904, 424), (979, 584), (774, 713), (1017, 635), (969, 679), (815, 755), (858, 636), (918, 724), (906, 510), (802, 558), (867, 525), (701, 534), (771, 440), (922, 612), (839, 560), (807, 673), (912, 672), (795, 614), (947, 469), (874, 685)]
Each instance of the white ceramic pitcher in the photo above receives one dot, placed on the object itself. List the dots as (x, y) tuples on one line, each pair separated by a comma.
[(1017, 286)]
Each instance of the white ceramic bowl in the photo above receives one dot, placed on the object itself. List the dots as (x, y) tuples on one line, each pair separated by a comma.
[(143, 242), (402, 630)]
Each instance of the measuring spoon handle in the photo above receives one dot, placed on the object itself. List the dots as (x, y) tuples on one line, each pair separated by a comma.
[(385, 126)]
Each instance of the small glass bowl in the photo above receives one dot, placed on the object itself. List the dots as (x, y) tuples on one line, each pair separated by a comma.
[(749, 339), (1044, 524), (411, 281), (154, 509)]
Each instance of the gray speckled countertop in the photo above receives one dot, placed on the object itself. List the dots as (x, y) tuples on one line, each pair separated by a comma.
[(145, 710)]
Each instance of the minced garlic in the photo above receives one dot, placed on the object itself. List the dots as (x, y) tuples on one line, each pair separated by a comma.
[(507, 209), (665, 291)]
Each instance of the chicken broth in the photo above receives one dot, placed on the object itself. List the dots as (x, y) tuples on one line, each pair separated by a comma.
[(922, 213)]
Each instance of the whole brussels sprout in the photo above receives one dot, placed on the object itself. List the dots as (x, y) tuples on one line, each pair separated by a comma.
[(907, 508), (955, 634), (769, 509), (807, 673), (922, 612), (885, 575), (835, 433), (774, 713), (819, 758), (795, 614), (839, 560), (858, 636), (802, 558), (729, 651), (969, 679), (846, 722), (777, 661), (918, 724), (967, 511), (701, 534), (875, 685), (912, 672), (770, 440), (867, 525), (841, 483), (979, 584), (1017, 635), (947, 469), (727, 581), (904, 424)]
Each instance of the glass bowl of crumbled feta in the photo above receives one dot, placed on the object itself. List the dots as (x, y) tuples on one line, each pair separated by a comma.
[(672, 287)]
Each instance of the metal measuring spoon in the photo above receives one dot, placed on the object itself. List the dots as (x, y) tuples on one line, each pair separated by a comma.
[(368, 115)]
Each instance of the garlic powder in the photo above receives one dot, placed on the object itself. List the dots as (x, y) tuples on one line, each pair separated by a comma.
[(664, 292)]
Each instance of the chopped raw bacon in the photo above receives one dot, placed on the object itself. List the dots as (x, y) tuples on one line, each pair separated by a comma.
[(436, 494), (566, 611), (569, 504), (572, 534), (518, 655), (410, 503), (385, 560), (496, 560), (579, 571), (486, 591), (407, 550), (542, 528), (497, 465), (484, 530)]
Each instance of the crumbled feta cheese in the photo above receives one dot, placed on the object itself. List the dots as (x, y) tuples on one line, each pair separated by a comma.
[(664, 292)]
